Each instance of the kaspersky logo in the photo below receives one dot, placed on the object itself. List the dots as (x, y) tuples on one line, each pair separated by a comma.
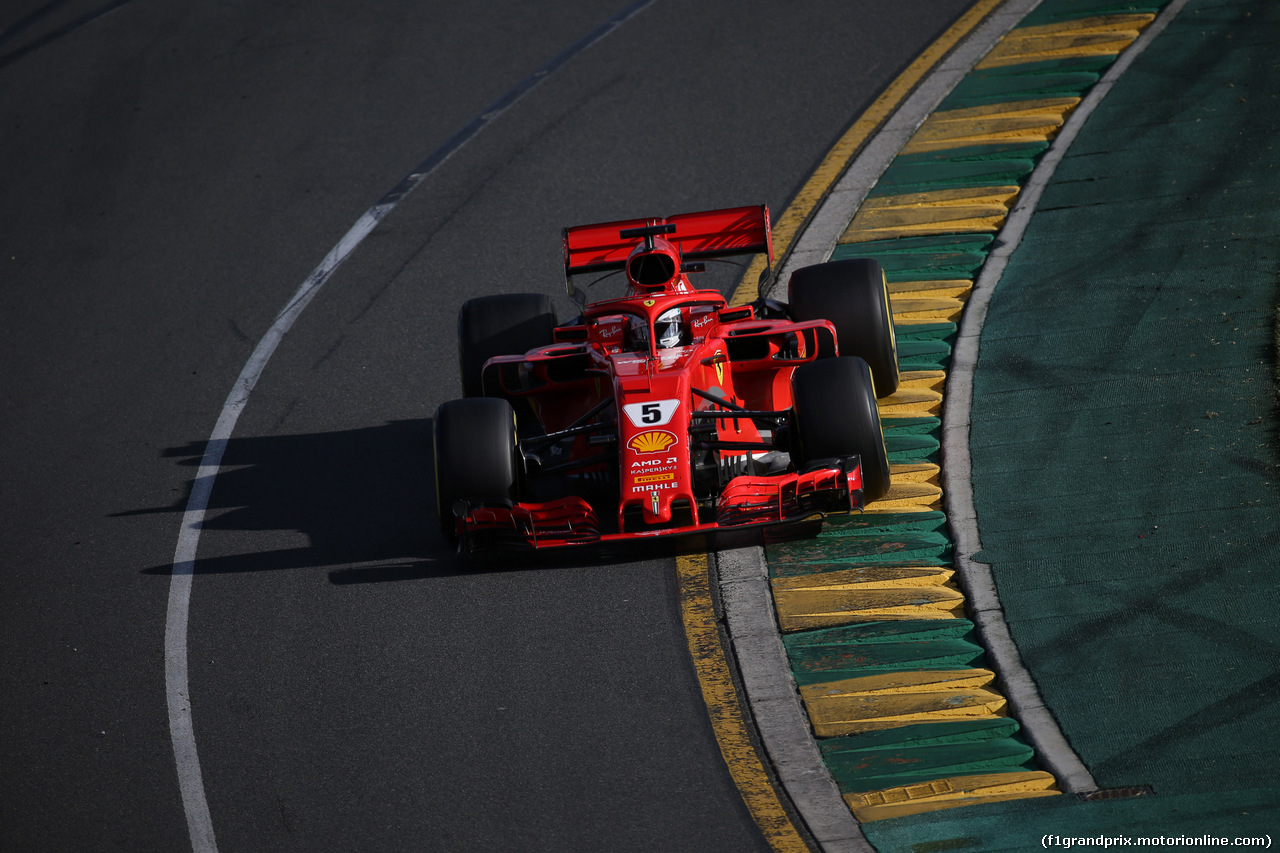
[(653, 441)]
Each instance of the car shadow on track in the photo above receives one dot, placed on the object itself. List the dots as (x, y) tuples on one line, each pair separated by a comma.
[(364, 499)]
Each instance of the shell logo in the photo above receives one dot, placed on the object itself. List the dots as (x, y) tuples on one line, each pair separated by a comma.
[(653, 441)]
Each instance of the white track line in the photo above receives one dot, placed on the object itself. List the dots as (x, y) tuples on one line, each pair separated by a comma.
[(181, 729), (1024, 697)]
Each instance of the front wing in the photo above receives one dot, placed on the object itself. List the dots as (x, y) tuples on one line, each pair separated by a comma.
[(745, 502)]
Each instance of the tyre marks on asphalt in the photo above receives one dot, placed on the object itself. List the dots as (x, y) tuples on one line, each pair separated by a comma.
[(890, 669), (43, 15)]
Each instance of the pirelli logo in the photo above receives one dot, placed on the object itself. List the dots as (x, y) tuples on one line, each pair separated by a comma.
[(654, 478)]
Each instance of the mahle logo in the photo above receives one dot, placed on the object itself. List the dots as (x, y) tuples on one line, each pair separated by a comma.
[(653, 441)]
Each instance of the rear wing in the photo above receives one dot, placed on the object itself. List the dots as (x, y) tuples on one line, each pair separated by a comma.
[(707, 234)]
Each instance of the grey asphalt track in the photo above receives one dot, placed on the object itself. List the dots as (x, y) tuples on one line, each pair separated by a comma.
[(171, 174)]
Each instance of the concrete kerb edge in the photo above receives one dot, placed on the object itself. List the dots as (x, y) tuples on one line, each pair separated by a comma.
[(775, 705), (1039, 724)]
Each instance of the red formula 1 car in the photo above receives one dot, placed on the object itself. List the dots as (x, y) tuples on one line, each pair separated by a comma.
[(665, 412)]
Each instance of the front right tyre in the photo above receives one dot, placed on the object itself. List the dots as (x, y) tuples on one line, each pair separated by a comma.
[(476, 456)]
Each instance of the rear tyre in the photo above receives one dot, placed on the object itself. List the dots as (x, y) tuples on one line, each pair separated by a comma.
[(505, 324), (475, 456), (834, 414), (853, 295)]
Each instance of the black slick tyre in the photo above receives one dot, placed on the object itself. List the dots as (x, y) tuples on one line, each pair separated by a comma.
[(504, 324), (834, 415), (476, 458), (853, 296)]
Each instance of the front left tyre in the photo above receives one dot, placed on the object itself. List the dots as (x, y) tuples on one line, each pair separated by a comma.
[(853, 296)]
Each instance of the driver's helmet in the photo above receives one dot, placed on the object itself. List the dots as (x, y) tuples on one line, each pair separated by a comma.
[(669, 329)]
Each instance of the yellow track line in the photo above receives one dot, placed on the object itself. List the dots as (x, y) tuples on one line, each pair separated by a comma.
[(793, 219), (727, 719)]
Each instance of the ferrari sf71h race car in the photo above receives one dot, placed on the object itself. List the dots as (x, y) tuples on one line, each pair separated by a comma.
[(666, 412)]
